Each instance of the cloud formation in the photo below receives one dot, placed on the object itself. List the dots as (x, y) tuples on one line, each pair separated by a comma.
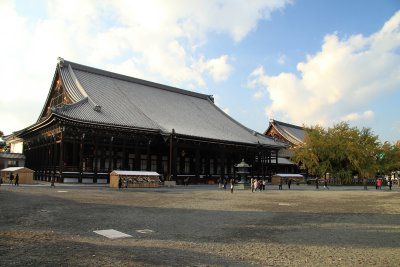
[(338, 81), (155, 40)]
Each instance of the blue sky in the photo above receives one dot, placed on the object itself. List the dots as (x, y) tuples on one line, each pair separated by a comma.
[(302, 61)]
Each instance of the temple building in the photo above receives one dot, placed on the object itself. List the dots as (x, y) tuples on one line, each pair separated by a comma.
[(95, 121), (290, 134)]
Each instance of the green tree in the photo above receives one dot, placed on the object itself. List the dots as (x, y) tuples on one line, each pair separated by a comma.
[(342, 151)]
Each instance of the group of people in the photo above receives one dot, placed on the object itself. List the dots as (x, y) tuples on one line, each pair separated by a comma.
[(289, 183), (223, 182), (378, 184), (257, 184), (14, 180)]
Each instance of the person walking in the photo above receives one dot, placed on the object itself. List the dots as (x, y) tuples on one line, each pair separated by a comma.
[(376, 184), (225, 183), (16, 180), (52, 182), (390, 183), (232, 184), (119, 183), (289, 183), (326, 184), (11, 178), (264, 183), (379, 183), (280, 184), (252, 184)]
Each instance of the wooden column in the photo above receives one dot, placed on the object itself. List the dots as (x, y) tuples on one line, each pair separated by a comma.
[(197, 163), (137, 156), (61, 154), (148, 156), (81, 147), (222, 156), (95, 152)]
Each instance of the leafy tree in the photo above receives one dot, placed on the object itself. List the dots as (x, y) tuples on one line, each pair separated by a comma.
[(341, 151), (389, 158)]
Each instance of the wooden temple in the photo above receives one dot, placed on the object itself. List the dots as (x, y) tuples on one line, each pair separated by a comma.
[(95, 121), (290, 134)]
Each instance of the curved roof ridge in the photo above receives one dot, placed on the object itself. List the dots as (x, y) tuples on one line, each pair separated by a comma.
[(136, 80), (72, 105), (95, 106)]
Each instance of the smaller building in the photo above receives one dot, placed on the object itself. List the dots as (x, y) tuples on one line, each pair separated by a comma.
[(8, 159), (25, 175), (134, 179), (290, 134), (295, 178)]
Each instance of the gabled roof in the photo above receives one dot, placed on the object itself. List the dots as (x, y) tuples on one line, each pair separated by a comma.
[(288, 132), (107, 98)]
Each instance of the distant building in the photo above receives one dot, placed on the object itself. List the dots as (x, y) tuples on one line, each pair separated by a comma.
[(95, 121), (14, 157), (290, 134)]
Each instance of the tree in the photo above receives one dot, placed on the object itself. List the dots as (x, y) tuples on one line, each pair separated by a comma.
[(389, 158), (342, 151)]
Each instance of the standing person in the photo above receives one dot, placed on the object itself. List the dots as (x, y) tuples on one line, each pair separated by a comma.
[(280, 184), (365, 183), (126, 183), (376, 184), (1, 181), (232, 184), (326, 184), (252, 184), (11, 178), (225, 183), (289, 183), (16, 180), (379, 184), (220, 183), (52, 182), (390, 183), (264, 183), (256, 185), (316, 183), (119, 183)]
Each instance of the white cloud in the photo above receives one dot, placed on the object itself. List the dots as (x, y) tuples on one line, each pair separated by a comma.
[(339, 81), (217, 68), (150, 39), (366, 115), (281, 59)]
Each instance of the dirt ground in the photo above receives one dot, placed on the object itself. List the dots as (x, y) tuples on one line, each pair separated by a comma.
[(199, 226)]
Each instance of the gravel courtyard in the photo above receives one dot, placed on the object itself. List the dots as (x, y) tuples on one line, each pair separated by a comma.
[(199, 226)]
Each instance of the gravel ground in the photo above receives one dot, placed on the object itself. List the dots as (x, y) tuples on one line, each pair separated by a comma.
[(199, 226)]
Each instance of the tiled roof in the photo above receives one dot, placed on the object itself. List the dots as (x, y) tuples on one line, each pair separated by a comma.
[(292, 133), (103, 97)]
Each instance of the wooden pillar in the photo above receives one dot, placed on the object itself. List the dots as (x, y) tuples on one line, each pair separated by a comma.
[(137, 156), (82, 146), (110, 155), (222, 156), (75, 159), (174, 162), (95, 156), (197, 162), (148, 156), (61, 154)]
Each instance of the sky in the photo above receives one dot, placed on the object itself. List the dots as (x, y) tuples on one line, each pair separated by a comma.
[(303, 62)]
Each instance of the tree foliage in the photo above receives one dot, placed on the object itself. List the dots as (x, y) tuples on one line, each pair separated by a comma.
[(342, 151)]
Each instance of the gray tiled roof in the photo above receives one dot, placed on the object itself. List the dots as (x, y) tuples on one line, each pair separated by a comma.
[(292, 133), (129, 102)]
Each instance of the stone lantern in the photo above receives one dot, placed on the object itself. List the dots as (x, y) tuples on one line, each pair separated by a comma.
[(242, 170)]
